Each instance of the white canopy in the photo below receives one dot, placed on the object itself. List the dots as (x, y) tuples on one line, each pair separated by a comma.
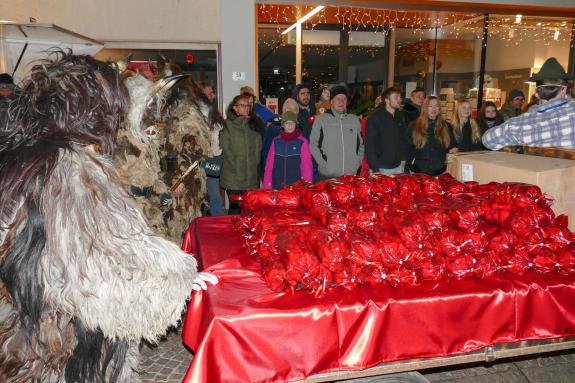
[(23, 44)]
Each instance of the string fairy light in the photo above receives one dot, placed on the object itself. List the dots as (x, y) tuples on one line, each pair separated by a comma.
[(513, 30)]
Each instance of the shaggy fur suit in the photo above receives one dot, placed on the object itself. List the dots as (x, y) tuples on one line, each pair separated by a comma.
[(83, 278)]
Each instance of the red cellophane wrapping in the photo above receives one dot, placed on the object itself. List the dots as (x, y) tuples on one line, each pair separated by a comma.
[(401, 230)]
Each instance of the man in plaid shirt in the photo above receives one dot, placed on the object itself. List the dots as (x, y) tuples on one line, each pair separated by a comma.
[(550, 124)]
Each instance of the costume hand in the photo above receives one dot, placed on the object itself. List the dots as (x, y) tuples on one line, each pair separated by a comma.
[(201, 279), (165, 199), (453, 150), (180, 189)]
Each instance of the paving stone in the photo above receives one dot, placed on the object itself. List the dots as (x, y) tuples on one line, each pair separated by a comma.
[(555, 373), (168, 362), (461, 376)]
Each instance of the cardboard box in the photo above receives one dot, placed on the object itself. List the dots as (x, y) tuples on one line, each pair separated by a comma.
[(555, 176)]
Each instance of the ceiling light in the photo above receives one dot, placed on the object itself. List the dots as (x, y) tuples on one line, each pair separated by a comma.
[(556, 36), (518, 19), (304, 18)]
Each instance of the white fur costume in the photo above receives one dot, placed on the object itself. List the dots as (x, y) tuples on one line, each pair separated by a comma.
[(82, 277)]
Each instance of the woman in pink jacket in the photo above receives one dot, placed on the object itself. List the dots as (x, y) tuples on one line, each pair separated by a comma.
[(289, 158)]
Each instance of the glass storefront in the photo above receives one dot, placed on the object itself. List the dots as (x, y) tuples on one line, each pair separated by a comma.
[(441, 52), (517, 48)]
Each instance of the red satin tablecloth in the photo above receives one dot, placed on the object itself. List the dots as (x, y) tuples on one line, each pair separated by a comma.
[(243, 332)]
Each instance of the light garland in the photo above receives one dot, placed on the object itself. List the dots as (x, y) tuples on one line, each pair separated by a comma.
[(454, 25)]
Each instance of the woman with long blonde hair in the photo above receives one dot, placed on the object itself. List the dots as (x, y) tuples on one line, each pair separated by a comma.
[(430, 138), (467, 131)]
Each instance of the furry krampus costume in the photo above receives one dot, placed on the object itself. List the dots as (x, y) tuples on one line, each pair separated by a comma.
[(168, 129), (82, 277)]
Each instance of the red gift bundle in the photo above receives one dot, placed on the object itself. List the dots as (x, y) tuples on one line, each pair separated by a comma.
[(401, 230)]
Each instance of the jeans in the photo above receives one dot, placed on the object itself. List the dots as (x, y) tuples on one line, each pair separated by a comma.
[(216, 203), (390, 172)]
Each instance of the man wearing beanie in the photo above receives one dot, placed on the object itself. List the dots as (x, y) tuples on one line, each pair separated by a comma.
[(335, 140), (512, 108), (552, 123)]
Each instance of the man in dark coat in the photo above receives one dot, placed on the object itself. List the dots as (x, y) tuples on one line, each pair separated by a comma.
[(302, 95), (385, 137), (306, 116)]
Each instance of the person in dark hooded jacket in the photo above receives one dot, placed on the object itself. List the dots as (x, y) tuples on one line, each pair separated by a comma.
[(306, 116), (302, 94)]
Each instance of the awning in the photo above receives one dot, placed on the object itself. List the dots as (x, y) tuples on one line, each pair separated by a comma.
[(23, 44)]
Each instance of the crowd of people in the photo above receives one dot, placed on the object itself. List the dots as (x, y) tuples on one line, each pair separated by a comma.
[(322, 140)]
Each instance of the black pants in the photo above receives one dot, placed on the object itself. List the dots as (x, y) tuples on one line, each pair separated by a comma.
[(234, 205)]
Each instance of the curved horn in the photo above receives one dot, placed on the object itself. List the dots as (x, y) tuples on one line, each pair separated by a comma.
[(166, 83)]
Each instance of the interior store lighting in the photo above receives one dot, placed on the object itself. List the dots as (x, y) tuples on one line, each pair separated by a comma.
[(304, 18), (518, 19), (556, 35)]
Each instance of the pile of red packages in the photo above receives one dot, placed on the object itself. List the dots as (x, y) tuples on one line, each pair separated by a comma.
[(401, 230)]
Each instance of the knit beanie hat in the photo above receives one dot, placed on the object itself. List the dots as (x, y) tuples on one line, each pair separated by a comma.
[(289, 117), (515, 93), (337, 89)]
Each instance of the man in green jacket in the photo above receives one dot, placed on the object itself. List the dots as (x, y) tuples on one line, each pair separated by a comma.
[(512, 108), (335, 139)]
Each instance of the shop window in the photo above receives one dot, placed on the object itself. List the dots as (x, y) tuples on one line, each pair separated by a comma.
[(276, 63), (200, 64), (517, 47)]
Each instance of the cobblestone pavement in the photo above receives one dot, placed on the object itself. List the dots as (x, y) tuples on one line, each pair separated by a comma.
[(168, 361)]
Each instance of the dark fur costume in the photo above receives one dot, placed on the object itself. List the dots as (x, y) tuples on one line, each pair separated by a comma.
[(168, 128), (82, 277)]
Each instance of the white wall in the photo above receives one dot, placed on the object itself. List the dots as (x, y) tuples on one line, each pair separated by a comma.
[(105, 20), (238, 46)]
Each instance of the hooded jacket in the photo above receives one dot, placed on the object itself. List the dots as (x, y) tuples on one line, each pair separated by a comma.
[(288, 161), (304, 112), (241, 147), (336, 144)]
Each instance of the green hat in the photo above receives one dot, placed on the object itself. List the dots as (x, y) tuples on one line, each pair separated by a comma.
[(289, 116), (551, 70)]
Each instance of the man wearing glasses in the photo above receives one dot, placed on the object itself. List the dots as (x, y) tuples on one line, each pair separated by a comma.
[(552, 123)]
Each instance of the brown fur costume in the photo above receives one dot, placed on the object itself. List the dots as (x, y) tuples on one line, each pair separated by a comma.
[(168, 129), (82, 277)]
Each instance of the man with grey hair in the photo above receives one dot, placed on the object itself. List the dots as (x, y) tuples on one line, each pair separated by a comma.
[(335, 139), (552, 123)]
